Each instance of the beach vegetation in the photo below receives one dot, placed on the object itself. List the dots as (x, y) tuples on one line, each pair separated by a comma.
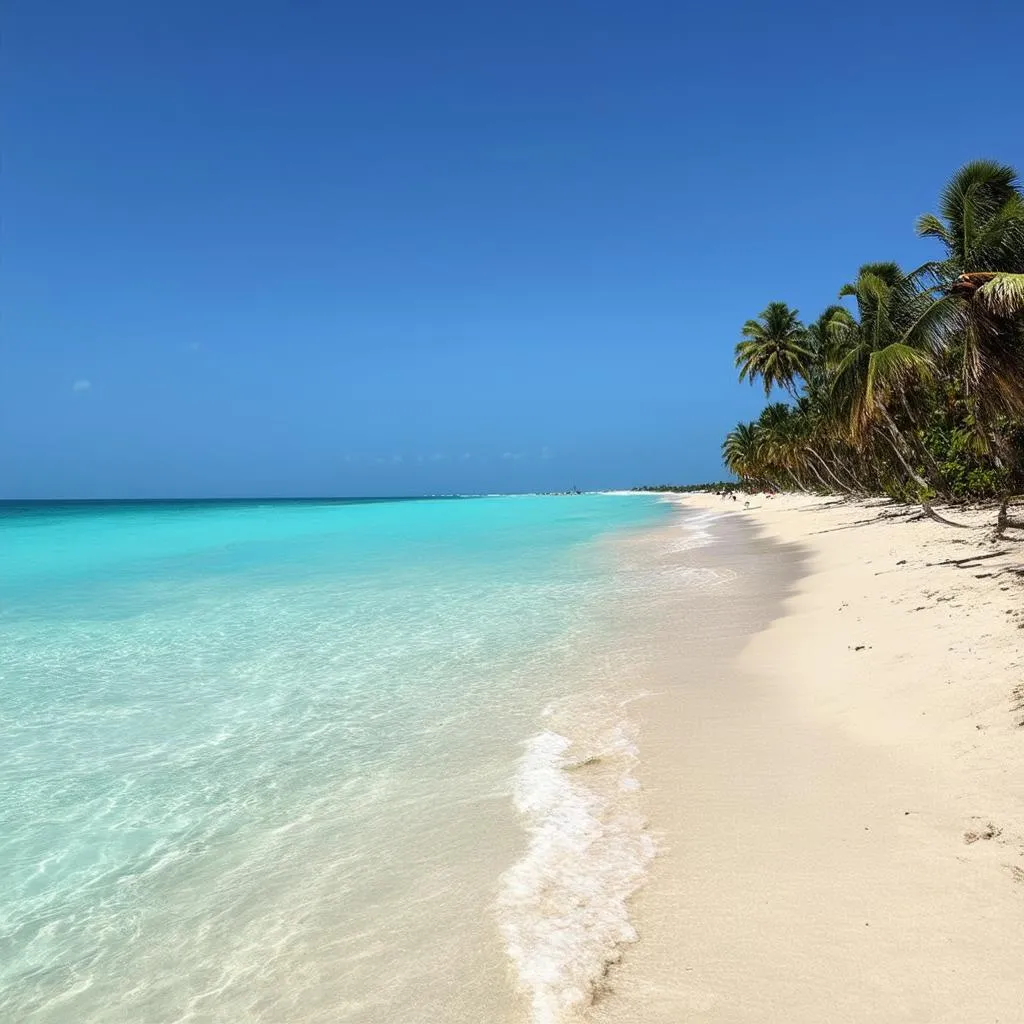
[(912, 383)]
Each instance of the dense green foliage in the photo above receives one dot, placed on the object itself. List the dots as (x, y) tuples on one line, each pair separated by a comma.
[(913, 385)]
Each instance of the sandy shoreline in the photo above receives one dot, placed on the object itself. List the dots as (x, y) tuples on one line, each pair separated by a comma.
[(840, 797)]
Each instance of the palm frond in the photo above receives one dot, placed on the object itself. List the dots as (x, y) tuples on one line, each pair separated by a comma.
[(934, 324), (976, 188), (1003, 295), (929, 226)]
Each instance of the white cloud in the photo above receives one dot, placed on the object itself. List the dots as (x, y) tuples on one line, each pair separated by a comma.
[(437, 457), (193, 346), (466, 455), (81, 385), (396, 459), (545, 453), (511, 455)]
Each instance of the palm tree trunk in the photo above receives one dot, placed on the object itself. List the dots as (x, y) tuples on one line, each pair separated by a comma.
[(900, 448), (921, 449), (827, 486), (897, 441), (825, 466), (848, 468), (796, 480)]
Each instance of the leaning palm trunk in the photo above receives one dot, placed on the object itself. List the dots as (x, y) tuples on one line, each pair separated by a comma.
[(843, 487), (898, 443), (848, 467), (901, 449), (794, 479), (920, 449), (825, 485)]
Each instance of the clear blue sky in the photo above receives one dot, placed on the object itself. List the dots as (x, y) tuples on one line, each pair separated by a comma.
[(407, 247)]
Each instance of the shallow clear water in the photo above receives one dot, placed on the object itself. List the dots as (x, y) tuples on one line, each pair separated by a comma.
[(261, 761)]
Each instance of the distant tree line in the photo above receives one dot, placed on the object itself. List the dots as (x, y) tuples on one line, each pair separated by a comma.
[(723, 486)]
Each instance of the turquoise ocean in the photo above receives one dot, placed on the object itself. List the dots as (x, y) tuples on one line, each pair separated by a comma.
[(313, 761)]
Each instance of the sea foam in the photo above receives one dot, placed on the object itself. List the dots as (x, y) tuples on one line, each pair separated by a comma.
[(694, 532), (563, 907)]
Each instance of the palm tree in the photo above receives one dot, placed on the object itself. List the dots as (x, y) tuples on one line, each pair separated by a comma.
[(787, 437), (827, 433), (981, 228), (822, 437), (988, 322), (741, 451), (774, 430), (773, 349), (884, 354), (819, 337), (980, 222)]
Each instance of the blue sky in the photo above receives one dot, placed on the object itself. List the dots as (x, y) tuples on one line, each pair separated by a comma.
[(325, 248)]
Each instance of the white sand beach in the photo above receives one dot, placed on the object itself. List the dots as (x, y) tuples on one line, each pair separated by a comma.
[(839, 799)]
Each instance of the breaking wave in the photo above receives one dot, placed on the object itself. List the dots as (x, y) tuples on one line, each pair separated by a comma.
[(563, 907)]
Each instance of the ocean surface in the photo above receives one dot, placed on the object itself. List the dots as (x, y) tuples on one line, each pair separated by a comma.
[(315, 761)]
